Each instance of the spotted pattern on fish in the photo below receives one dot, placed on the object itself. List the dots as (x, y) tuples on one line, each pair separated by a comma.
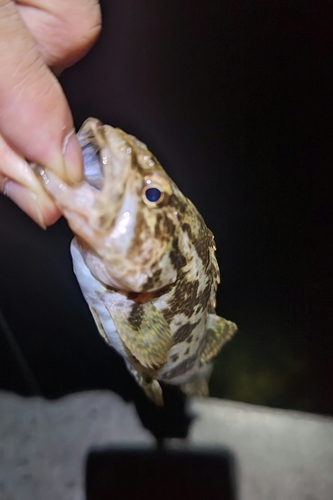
[(181, 368), (187, 299), (184, 331), (146, 264), (200, 241), (136, 316), (152, 280), (177, 259)]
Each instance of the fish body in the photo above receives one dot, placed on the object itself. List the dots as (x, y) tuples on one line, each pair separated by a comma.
[(145, 261)]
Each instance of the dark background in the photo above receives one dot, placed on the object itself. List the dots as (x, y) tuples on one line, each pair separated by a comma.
[(235, 99)]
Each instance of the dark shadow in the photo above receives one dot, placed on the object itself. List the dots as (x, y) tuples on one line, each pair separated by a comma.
[(169, 421), (162, 474)]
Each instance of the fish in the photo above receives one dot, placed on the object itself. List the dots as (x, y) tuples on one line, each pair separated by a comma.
[(145, 261)]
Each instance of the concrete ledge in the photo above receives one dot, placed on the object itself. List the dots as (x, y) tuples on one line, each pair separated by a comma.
[(279, 454), (43, 444)]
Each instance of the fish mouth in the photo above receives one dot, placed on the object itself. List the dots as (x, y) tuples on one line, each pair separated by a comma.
[(96, 200), (106, 169), (92, 170), (95, 207), (96, 153), (103, 166)]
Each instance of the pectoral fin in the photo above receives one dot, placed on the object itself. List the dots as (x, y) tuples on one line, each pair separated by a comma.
[(219, 331), (144, 331)]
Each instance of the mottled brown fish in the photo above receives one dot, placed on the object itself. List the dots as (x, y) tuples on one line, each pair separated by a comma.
[(145, 262)]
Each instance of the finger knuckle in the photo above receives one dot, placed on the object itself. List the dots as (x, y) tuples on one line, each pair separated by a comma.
[(86, 26)]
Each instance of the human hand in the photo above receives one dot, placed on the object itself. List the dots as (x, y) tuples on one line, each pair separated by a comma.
[(35, 120)]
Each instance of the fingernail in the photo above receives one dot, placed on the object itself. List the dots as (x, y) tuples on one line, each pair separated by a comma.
[(73, 158), (25, 199)]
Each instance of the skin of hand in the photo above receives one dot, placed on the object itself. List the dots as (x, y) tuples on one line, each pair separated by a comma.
[(35, 120)]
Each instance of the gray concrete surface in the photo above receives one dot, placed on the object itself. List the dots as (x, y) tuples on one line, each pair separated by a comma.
[(280, 455)]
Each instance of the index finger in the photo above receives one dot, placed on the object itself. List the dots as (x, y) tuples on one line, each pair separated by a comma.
[(34, 115)]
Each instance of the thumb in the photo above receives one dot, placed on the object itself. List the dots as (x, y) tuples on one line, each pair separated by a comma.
[(35, 118)]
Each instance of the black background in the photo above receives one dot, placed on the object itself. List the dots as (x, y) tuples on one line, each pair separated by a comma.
[(235, 99)]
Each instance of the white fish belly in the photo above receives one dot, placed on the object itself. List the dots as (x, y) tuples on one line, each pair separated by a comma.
[(92, 290)]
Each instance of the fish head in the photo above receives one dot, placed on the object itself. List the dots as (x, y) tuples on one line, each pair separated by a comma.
[(126, 213)]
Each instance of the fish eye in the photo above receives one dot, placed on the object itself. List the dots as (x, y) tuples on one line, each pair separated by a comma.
[(155, 190), (153, 194)]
